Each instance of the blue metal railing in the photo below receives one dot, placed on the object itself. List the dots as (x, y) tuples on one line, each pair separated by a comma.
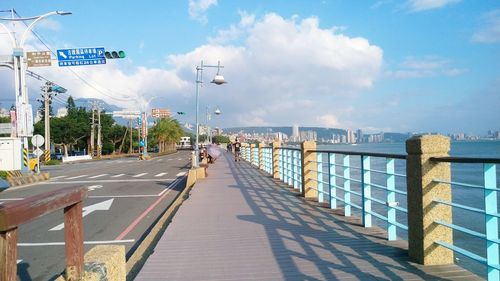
[(491, 259), (290, 166)]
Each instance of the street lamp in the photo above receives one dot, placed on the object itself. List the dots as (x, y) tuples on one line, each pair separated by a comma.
[(218, 80), (209, 117), (23, 108)]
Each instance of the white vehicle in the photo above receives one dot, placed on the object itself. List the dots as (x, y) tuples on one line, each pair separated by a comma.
[(185, 143)]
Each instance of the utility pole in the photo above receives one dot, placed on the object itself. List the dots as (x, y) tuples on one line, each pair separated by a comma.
[(130, 150), (46, 100), (92, 129), (99, 141)]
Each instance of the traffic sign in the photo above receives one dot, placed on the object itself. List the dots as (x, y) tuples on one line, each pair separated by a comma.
[(38, 152), (160, 113), (5, 128), (37, 140), (81, 56), (39, 59), (141, 143)]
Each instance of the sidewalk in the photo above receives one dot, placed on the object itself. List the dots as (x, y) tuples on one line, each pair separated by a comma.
[(239, 224)]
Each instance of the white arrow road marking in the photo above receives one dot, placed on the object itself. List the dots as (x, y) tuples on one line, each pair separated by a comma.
[(160, 174), (103, 206), (117, 176), (180, 174), (19, 261), (77, 177), (98, 176), (94, 187), (139, 175)]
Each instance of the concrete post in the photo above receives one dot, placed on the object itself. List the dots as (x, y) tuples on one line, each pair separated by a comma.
[(309, 173), (276, 160), (261, 156), (422, 211)]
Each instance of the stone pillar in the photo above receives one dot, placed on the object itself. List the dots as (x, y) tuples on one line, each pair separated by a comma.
[(422, 211), (309, 173), (261, 156), (276, 160)]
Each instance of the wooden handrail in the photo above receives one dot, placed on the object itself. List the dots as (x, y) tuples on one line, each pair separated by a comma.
[(13, 214)]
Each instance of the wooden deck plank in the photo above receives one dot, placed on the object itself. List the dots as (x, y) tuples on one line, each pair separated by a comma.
[(240, 224)]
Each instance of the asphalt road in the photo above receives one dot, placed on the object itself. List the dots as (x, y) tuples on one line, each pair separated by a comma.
[(126, 196)]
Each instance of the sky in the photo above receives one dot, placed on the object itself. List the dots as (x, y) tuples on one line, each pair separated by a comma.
[(379, 66)]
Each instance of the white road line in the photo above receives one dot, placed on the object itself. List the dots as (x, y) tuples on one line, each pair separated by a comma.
[(180, 174), (94, 187), (19, 261), (11, 199), (123, 196), (77, 177), (139, 175), (179, 159), (98, 176), (159, 160), (106, 181), (117, 176), (169, 187), (161, 174), (58, 177), (84, 242)]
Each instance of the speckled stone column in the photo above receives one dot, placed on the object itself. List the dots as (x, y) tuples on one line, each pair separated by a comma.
[(309, 173), (422, 211), (276, 160)]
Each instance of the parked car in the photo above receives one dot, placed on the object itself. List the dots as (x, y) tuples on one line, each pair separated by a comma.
[(57, 156)]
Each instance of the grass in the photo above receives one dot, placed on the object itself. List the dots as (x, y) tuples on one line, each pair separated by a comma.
[(3, 175), (53, 162)]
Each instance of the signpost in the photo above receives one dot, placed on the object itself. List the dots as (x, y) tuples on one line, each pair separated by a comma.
[(160, 113), (81, 56), (5, 128), (37, 140), (36, 59)]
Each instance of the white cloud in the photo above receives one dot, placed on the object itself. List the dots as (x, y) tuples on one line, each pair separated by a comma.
[(197, 9), (428, 66), (422, 5), (328, 120), (490, 31)]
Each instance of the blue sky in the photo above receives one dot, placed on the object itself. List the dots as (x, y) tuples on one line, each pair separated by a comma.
[(404, 66)]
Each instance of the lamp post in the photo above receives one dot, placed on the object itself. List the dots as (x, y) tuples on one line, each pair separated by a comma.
[(23, 108), (209, 117), (218, 80)]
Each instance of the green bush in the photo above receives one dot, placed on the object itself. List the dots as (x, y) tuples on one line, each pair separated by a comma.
[(3, 175), (53, 162)]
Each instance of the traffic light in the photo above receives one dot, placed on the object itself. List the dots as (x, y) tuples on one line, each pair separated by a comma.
[(115, 55), (181, 113), (139, 120)]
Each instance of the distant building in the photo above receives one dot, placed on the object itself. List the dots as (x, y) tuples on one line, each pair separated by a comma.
[(295, 133), (4, 112), (359, 136), (351, 138), (308, 136)]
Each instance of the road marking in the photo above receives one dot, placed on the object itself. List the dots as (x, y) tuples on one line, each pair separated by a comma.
[(77, 177), (161, 174), (19, 261), (98, 176), (11, 199), (141, 216), (58, 177), (139, 175), (84, 242), (102, 206), (105, 181), (94, 187), (179, 159), (180, 174), (159, 160), (117, 176)]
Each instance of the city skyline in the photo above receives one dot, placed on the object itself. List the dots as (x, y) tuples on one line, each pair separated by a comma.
[(392, 66)]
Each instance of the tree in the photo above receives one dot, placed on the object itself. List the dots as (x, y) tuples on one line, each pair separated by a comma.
[(166, 132), (221, 139), (70, 105)]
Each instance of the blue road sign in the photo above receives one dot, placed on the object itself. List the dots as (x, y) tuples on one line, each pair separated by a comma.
[(141, 143), (81, 56)]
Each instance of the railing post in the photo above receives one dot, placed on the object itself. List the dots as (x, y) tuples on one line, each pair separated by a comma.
[(366, 203), (8, 254), (319, 168), (332, 182), (309, 173), (347, 186), (252, 160), (261, 156), (276, 160), (73, 237), (391, 199), (422, 211), (491, 208), (295, 169)]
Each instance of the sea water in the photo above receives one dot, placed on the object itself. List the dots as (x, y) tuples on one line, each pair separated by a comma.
[(464, 173)]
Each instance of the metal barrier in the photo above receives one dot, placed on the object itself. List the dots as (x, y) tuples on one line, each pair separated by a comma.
[(490, 212), (374, 185), (13, 214)]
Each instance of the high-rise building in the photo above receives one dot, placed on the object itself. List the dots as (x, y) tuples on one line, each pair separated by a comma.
[(351, 138), (359, 136), (308, 135), (295, 133)]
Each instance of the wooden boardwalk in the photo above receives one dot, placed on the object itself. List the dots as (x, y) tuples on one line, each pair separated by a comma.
[(240, 224)]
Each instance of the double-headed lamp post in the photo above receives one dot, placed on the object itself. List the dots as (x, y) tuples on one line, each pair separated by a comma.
[(218, 80), (22, 103)]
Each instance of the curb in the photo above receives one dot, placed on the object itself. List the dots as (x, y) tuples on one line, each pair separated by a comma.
[(22, 179), (146, 246)]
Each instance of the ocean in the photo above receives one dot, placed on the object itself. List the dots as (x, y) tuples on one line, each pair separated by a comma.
[(464, 173)]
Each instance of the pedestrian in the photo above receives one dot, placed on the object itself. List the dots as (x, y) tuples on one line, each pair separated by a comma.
[(229, 147), (237, 147)]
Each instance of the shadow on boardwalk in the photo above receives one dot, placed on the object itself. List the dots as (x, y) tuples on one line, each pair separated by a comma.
[(240, 224)]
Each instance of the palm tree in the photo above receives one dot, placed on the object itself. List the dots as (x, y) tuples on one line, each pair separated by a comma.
[(167, 132)]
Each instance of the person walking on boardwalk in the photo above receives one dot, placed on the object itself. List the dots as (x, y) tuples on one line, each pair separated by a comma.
[(237, 147)]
